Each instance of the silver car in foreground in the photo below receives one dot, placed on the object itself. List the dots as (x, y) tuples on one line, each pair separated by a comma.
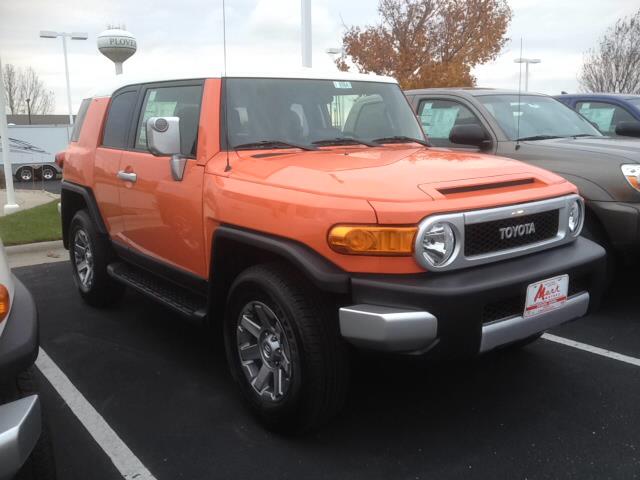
[(20, 416)]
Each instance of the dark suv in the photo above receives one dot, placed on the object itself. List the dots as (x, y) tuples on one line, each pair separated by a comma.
[(539, 130)]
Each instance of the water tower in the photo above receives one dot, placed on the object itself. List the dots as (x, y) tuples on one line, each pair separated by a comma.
[(117, 45)]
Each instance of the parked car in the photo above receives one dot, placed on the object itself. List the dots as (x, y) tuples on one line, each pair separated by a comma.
[(304, 218), (22, 448), (543, 132), (616, 115)]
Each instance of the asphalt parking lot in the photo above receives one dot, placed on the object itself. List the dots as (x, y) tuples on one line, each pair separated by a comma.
[(547, 411), (51, 186)]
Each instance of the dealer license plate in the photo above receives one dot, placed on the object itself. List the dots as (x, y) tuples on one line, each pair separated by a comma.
[(546, 295)]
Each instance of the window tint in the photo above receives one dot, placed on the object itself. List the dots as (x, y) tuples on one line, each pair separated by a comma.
[(605, 115), (77, 125), (438, 117), (181, 102), (310, 111), (116, 131), (528, 116)]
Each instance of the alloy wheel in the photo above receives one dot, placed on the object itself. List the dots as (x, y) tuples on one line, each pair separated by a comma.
[(264, 351), (83, 257)]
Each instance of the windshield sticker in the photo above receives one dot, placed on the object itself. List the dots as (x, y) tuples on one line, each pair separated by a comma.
[(342, 84)]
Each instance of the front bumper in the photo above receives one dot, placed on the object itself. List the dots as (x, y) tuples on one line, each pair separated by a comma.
[(469, 311), (20, 424), (621, 222), (19, 340)]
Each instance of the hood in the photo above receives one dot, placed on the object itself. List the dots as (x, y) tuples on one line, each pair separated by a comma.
[(386, 173), (625, 150)]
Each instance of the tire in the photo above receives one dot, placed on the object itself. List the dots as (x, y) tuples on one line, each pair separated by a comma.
[(315, 375), (48, 173), (41, 463), (90, 254), (24, 174)]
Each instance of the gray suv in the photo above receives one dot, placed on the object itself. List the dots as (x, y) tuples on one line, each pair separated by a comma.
[(539, 130)]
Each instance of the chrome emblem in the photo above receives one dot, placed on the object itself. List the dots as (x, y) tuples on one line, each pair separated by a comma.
[(516, 231)]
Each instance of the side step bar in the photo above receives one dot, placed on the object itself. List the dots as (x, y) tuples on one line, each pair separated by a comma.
[(179, 299)]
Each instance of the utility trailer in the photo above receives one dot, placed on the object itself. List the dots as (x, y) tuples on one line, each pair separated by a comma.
[(32, 150)]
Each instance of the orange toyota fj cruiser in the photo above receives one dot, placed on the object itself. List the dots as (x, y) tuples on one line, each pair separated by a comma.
[(308, 213)]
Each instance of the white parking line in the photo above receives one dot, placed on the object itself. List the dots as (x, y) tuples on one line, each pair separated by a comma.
[(122, 457), (591, 349)]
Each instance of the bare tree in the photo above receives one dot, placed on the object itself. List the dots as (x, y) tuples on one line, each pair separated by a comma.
[(614, 65), (22, 84)]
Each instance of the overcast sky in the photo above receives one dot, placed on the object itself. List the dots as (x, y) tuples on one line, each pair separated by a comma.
[(187, 34)]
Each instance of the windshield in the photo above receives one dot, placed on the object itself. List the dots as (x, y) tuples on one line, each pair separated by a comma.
[(284, 113), (540, 117)]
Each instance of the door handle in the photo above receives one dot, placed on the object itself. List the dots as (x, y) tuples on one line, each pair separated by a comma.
[(127, 176)]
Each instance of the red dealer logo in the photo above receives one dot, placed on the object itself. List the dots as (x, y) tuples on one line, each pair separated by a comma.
[(543, 293)]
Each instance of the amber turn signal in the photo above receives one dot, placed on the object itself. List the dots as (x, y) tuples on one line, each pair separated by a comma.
[(372, 240), (4, 302)]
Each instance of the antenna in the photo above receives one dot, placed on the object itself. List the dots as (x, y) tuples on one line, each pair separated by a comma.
[(224, 83), (519, 95)]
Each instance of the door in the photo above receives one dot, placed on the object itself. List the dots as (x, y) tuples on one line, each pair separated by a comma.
[(438, 116), (115, 137), (162, 216), (604, 115)]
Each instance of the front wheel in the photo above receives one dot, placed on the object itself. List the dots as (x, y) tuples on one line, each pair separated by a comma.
[(284, 349)]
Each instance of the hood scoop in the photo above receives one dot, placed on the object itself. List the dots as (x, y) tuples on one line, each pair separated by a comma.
[(484, 186)]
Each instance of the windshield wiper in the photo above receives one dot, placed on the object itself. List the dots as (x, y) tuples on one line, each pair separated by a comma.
[(344, 141), (273, 144), (584, 135), (537, 137), (401, 139)]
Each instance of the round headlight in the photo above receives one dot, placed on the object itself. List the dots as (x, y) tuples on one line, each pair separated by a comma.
[(438, 244), (575, 215)]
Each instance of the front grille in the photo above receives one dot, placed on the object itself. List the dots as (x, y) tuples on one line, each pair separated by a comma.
[(486, 237), (514, 306)]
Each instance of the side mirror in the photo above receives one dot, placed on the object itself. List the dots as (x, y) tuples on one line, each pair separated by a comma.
[(163, 138), (470, 135), (628, 129)]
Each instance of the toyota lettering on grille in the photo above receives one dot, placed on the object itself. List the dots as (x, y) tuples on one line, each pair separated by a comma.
[(515, 231)]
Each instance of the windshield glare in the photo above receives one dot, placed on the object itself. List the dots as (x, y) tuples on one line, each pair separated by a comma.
[(306, 111), (539, 116)]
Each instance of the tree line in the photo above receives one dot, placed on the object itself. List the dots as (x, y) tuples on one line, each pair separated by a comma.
[(25, 92)]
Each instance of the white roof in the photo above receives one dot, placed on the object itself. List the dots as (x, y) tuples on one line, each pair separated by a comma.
[(307, 73)]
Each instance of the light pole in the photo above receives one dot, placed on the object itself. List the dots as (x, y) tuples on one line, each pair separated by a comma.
[(305, 32), (527, 61), (65, 35), (28, 100)]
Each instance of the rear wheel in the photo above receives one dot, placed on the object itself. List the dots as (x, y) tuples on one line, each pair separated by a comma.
[(90, 254), (284, 349), (48, 173), (24, 174), (41, 464)]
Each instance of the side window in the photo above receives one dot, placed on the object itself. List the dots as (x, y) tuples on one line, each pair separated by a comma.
[(77, 125), (605, 115), (438, 117), (182, 102), (116, 131)]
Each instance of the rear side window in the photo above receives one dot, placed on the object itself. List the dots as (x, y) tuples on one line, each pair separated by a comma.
[(116, 131), (77, 125), (175, 101)]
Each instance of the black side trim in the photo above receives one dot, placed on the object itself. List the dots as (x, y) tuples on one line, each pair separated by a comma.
[(324, 274), (19, 341), (89, 199), (178, 276)]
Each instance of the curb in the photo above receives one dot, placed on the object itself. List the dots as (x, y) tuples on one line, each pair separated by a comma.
[(39, 247)]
